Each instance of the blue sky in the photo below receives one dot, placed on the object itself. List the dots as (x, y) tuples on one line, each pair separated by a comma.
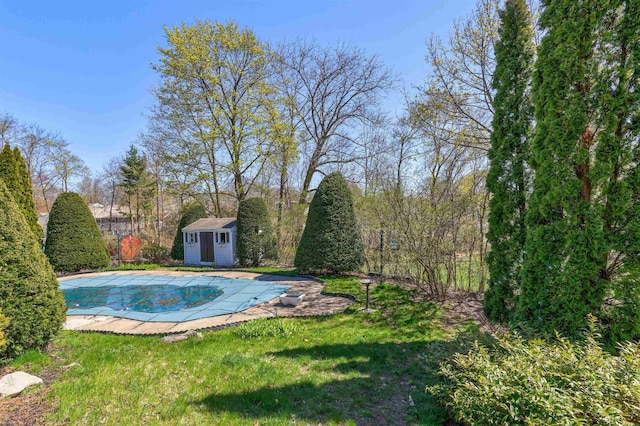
[(81, 68)]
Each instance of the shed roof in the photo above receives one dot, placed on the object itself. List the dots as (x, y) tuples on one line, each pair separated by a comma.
[(211, 223)]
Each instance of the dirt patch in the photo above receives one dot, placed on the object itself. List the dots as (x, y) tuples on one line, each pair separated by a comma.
[(30, 407)]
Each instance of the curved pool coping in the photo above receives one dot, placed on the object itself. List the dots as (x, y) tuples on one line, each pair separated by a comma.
[(314, 304)]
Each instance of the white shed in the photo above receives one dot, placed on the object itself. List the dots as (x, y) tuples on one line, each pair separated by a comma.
[(210, 241)]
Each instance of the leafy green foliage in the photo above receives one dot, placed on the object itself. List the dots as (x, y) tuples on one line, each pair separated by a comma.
[(331, 238), (537, 382), (74, 241), (263, 327), (13, 170), (190, 213), (256, 240), (507, 179), (29, 293)]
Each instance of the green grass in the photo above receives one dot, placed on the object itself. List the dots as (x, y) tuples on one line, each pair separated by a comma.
[(347, 369), (272, 270), (133, 267)]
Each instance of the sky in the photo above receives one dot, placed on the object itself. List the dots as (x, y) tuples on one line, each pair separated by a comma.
[(82, 68)]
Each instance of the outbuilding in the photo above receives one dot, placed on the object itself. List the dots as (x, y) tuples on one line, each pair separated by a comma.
[(210, 242)]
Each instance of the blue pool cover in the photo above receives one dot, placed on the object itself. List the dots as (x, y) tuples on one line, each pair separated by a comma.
[(164, 298)]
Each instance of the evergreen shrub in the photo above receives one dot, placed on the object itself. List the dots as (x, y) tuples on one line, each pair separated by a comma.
[(13, 170), (256, 240), (29, 294), (190, 213), (74, 241), (331, 240)]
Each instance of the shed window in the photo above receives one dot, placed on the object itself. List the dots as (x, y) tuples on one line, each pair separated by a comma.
[(191, 237), (222, 237)]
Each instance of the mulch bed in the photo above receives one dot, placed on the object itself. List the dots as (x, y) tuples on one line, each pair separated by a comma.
[(31, 406)]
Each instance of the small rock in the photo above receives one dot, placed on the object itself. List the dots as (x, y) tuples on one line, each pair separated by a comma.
[(172, 338), (16, 382), (193, 333), (184, 336), (411, 403)]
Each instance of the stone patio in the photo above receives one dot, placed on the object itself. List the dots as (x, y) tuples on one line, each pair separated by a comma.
[(314, 304)]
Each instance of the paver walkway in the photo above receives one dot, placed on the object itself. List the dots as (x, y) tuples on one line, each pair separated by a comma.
[(313, 304)]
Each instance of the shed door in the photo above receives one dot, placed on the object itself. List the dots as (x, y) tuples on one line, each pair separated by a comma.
[(206, 246)]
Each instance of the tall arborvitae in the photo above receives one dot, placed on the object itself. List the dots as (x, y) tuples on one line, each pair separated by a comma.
[(616, 171), (26, 202), (13, 171), (582, 190), (508, 177), (29, 293)]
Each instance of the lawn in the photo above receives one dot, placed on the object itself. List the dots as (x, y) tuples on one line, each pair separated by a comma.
[(351, 368)]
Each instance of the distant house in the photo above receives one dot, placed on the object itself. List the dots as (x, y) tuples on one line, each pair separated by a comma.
[(109, 219), (210, 241), (112, 219)]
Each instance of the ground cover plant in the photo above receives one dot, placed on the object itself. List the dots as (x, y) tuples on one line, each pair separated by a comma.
[(351, 368)]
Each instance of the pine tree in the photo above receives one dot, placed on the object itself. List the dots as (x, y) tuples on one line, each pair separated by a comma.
[(29, 294), (191, 213), (508, 176), (331, 239), (137, 184), (256, 240), (73, 240)]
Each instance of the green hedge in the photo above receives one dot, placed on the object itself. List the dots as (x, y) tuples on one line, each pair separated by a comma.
[(256, 240), (29, 294), (74, 241), (331, 240), (538, 382)]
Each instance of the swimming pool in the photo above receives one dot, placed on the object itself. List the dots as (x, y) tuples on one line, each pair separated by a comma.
[(165, 298)]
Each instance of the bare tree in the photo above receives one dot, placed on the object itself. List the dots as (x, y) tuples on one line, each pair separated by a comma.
[(339, 88)]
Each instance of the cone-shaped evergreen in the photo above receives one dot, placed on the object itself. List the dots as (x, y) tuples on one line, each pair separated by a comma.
[(13, 170), (73, 240), (331, 238), (191, 213), (508, 177), (29, 292), (256, 240), (26, 201)]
